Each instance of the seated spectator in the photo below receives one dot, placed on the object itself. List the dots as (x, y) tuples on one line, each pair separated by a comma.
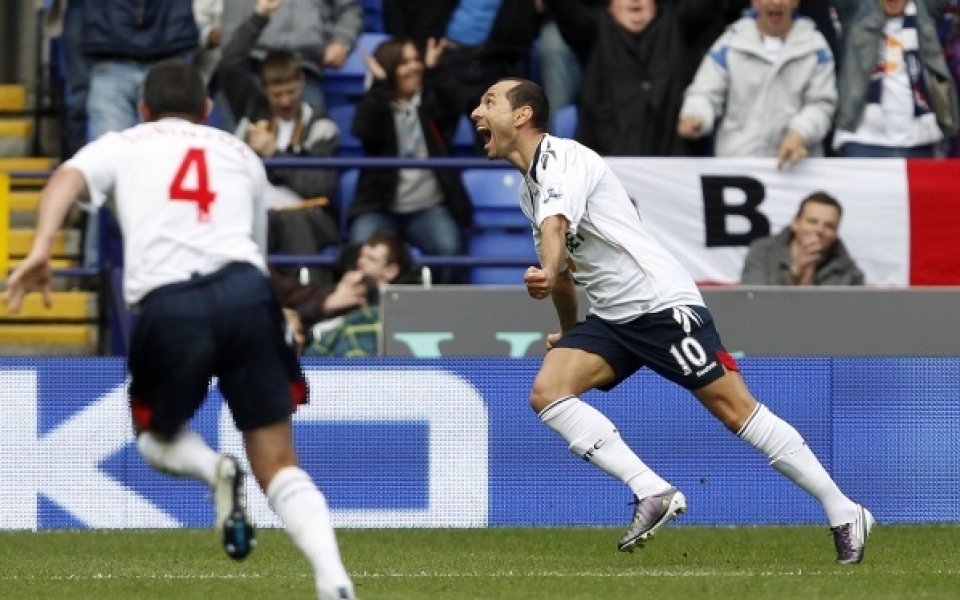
[(767, 87), (897, 97), (321, 32), (383, 259), (410, 111), (276, 122), (637, 58), (807, 252)]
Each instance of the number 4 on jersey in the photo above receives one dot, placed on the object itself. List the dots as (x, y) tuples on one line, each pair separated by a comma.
[(194, 164)]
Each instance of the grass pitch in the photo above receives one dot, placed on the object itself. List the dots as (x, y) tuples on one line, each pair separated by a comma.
[(902, 562)]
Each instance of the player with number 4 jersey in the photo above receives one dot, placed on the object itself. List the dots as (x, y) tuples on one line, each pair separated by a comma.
[(645, 311), (191, 208), (190, 200)]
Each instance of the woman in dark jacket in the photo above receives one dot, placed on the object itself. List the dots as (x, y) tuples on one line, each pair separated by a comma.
[(410, 111)]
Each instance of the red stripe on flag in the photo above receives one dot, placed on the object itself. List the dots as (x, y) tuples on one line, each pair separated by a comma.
[(934, 221)]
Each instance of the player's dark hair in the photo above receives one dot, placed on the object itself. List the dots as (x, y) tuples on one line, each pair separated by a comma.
[(398, 251), (280, 66), (528, 93), (820, 197), (175, 87)]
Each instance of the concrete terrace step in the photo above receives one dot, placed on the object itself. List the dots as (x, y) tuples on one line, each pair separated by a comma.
[(66, 243), (78, 306), (47, 340), (24, 200), (13, 97)]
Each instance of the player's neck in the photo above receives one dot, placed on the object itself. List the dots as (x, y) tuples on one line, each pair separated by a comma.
[(526, 148)]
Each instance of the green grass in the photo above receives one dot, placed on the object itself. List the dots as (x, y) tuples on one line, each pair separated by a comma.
[(683, 563)]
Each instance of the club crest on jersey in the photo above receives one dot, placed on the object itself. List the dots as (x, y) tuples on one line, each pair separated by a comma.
[(552, 192)]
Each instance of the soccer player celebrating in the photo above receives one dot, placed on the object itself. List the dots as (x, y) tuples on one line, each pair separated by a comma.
[(645, 310), (191, 207)]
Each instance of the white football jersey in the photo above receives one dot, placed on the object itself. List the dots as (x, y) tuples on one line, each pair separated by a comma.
[(190, 199), (626, 272)]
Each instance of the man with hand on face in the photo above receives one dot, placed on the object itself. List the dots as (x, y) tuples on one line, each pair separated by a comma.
[(808, 252)]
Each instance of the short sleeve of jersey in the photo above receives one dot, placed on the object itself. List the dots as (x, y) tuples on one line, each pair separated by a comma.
[(565, 182), (98, 162)]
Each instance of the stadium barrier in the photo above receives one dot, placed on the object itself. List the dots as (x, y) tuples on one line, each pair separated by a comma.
[(452, 443)]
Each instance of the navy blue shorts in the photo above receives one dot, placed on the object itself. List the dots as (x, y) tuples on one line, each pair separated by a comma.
[(228, 324), (679, 343)]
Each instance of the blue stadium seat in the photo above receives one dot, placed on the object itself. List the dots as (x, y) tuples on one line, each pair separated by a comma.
[(565, 121), (347, 83), (342, 115), (464, 138), (346, 190), (495, 194), (373, 15), (501, 243)]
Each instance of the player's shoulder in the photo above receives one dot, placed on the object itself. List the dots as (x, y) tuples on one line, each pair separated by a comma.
[(563, 155)]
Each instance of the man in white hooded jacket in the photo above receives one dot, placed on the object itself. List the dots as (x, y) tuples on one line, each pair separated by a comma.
[(766, 88)]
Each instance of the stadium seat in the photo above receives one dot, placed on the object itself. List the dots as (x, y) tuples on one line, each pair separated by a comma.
[(565, 121), (464, 138), (495, 194), (342, 115), (346, 190), (501, 243), (345, 84), (373, 15)]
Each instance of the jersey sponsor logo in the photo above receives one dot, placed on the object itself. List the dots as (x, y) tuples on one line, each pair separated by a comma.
[(573, 241)]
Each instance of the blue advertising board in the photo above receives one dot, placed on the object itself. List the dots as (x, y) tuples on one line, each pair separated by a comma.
[(452, 443)]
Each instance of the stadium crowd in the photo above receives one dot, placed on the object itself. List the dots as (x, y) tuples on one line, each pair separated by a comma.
[(784, 79)]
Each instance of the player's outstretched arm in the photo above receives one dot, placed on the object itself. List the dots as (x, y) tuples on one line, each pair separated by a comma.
[(65, 185)]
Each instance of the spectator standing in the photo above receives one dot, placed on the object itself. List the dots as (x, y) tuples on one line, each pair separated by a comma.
[(278, 123), (411, 110), (64, 19), (807, 252), (485, 39), (321, 32), (767, 87), (637, 58), (897, 97), (208, 15), (190, 199), (122, 40)]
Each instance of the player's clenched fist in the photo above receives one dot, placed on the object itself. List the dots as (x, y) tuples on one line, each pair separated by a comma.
[(538, 283)]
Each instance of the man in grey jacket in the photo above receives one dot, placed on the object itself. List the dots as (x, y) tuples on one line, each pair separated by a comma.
[(807, 252), (767, 87)]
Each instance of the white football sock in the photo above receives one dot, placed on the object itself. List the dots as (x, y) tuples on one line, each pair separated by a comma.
[(184, 455), (789, 454), (303, 511), (595, 439)]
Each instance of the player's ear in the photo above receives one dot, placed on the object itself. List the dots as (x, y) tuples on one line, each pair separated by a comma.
[(524, 114), (144, 110)]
